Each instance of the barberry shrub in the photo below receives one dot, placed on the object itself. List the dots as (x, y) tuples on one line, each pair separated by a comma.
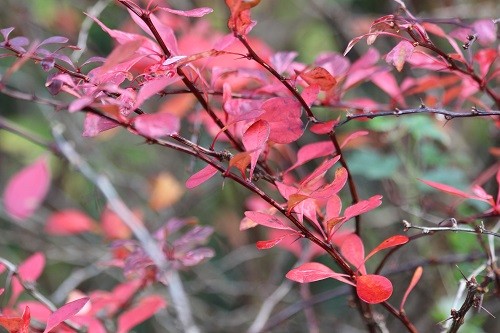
[(194, 173)]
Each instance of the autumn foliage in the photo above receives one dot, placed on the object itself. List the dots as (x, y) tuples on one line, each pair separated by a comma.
[(302, 139)]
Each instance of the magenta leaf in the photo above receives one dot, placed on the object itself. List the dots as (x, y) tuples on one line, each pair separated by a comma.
[(156, 125), (54, 40), (389, 242), (65, 312), (313, 271), (201, 176), (197, 12), (400, 54), (362, 207), (283, 116), (373, 289), (26, 190), (146, 308), (353, 250), (267, 220)]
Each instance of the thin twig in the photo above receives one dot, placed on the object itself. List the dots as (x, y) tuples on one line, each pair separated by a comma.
[(455, 228)]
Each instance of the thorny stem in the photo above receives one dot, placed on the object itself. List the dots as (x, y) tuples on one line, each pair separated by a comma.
[(422, 109), (475, 291), (454, 228)]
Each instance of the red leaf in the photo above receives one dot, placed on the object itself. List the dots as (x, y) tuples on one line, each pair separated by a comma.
[(197, 12), (373, 289), (69, 222), (156, 125), (65, 312), (336, 185), (399, 54), (283, 116), (146, 308), (414, 280), (264, 245), (363, 207), (353, 136), (353, 250), (201, 176), (267, 220), (313, 271), (485, 59), (387, 82), (113, 226), (254, 140), (240, 21), (17, 324), (389, 242), (311, 151), (26, 190), (321, 77), (323, 128), (320, 171), (453, 191)]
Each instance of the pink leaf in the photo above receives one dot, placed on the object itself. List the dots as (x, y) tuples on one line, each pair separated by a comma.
[(254, 140), (69, 222), (94, 124), (414, 280), (201, 176), (146, 308), (389, 242), (283, 116), (486, 31), (310, 93), (267, 220), (387, 82), (153, 87), (353, 250), (313, 271), (320, 171), (399, 54), (363, 207), (26, 190), (453, 191), (373, 289), (311, 151), (197, 12), (156, 125), (65, 312), (29, 271)]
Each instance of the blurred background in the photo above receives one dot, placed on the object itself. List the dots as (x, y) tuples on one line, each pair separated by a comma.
[(228, 290)]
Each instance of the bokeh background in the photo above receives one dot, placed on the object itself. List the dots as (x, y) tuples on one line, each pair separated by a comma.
[(228, 290)]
